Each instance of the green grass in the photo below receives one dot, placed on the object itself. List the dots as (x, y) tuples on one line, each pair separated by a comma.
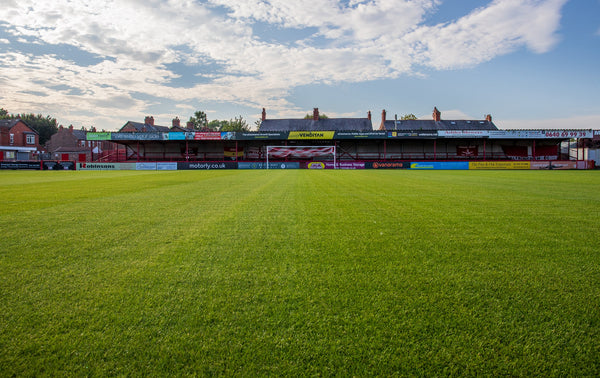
[(300, 273)]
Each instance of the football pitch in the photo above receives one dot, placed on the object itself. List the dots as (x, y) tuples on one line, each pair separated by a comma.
[(300, 273)]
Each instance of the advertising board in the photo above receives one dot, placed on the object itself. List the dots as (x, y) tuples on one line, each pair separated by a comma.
[(178, 135), (58, 166), (137, 136), (166, 166), (387, 165), (145, 166), (272, 165), (105, 166), (97, 136), (20, 165), (499, 165), (298, 135), (338, 165), (553, 165), (360, 134), (214, 135), (275, 135), (206, 166), (463, 133), (440, 165), (415, 134)]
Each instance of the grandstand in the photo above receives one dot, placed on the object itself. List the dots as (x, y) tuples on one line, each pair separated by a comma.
[(355, 142)]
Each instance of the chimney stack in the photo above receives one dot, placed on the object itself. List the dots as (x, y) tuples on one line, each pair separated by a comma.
[(437, 116), (315, 114), (488, 118), (383, 119), (71, 128), (264, 114), (149, 121), (369, 115), (190, 125), (176, 122)]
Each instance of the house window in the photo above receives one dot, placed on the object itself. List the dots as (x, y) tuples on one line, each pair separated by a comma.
[(30, 139), (12, 138)]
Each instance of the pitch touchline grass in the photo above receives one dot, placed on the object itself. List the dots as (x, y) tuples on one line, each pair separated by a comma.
[(300, 273)]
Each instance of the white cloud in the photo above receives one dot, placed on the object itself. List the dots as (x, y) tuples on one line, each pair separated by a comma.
[(353, 41)]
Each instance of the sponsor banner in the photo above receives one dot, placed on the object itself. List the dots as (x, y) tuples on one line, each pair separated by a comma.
[(585, 164), (553, 165), (59, 166), (387, 165), (178, 135), (540, 134), (227, 135), (516, 134), (596, 134), (98, 166), (360, 135), (297, 135), (20, 165), (463, 133), (338, 165), (263, 135), (210, 135), (561, 134), (499, 165), (166, 166), (262, 165), (206, 166), (440, 165), (145, 166), (417, 134), (137, 136), (97, 136), (466, 151)]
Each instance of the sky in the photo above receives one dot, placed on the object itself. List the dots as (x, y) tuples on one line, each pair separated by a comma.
[(529, 63)]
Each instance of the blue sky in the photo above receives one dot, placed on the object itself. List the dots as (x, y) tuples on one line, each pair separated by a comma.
[(529, 63)]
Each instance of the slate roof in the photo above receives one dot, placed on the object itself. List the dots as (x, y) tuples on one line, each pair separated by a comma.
[(139, 126), (8, 123), (328, 124), (423, 124), (79, 134)]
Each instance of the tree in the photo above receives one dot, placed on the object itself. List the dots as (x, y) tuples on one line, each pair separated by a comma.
[(216, 125), (236, 124), (310, 116), (199, 120), (44, 126), (408, 116)]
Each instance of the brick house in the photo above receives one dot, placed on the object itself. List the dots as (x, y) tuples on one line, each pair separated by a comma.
[(18, 141), (70, 144)]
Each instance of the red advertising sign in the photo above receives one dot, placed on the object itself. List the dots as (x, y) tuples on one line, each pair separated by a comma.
[(211, 135)]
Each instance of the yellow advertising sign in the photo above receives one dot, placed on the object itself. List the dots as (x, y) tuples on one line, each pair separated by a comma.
[(311, 134), (499, 165)]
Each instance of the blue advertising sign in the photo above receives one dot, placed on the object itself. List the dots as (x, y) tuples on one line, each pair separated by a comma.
[(178, 136), (145, 166), (450, 165), (167, 166)]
